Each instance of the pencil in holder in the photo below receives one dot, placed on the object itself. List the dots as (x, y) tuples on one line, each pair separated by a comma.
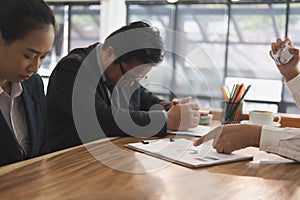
[(232, 112)]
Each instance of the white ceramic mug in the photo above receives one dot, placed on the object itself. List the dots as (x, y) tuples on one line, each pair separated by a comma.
[(263, 117)]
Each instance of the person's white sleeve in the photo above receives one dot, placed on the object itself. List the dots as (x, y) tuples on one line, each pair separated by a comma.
[(294, 87), (281, 141)]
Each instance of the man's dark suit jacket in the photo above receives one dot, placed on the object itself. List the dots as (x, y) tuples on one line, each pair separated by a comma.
[(62, 130), (33, 99)]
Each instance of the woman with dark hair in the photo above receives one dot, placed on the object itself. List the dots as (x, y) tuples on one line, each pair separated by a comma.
[(26, 38)]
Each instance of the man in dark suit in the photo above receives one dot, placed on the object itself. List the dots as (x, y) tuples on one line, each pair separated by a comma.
[(33, 100), (95, 92)]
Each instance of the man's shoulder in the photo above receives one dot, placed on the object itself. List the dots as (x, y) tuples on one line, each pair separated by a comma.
[(80, 54), (73, 61)]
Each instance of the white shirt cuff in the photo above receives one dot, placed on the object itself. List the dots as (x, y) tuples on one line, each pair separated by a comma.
[(281, 141)]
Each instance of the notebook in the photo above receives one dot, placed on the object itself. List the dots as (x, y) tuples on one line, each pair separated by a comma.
[(181, 151)]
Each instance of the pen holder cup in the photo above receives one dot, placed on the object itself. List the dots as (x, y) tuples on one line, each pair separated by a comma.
[(232, 112)]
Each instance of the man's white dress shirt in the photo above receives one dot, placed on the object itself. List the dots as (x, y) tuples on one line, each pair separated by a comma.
[(284, 141)]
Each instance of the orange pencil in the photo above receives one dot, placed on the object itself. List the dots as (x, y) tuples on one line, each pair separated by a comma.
[(224, 93)]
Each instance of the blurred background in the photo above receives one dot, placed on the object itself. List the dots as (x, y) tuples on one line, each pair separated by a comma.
[(233, 37)]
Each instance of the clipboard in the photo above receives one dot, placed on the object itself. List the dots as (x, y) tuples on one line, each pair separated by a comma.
[(181, 151)]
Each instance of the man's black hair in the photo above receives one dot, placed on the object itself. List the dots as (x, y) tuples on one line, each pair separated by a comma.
[(145, 36)]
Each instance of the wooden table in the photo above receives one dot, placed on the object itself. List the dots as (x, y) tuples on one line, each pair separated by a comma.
[(75, 174)]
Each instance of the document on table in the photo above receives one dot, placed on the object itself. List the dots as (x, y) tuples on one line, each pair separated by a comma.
[(198, 131), (182, 151)]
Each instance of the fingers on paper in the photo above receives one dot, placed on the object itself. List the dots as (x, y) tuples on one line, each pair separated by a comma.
[(223, 147), (212, 135)]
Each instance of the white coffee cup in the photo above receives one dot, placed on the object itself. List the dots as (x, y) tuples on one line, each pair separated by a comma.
[(263, 117)]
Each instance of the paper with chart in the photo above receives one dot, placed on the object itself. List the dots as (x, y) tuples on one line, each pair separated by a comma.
[(182, 151), (199, 131)]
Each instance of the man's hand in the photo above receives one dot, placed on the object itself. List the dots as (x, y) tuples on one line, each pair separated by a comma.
[(289, 70), (183, 115), (231, 137)]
